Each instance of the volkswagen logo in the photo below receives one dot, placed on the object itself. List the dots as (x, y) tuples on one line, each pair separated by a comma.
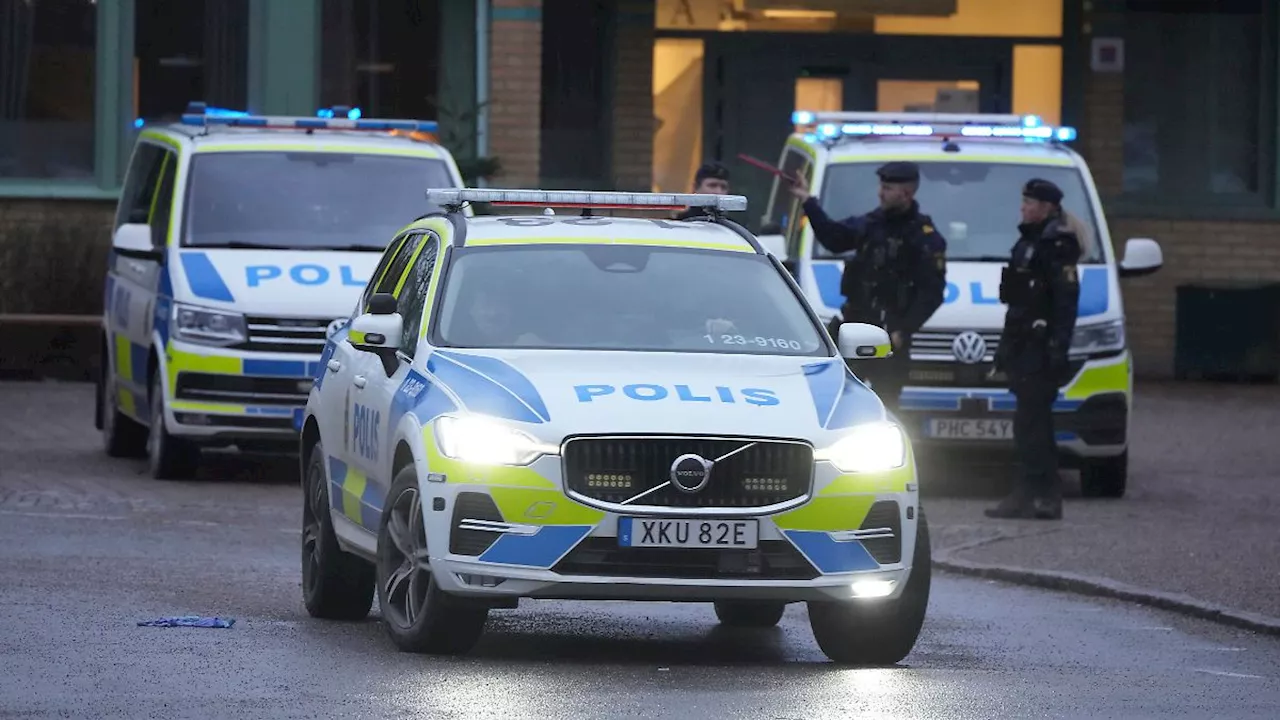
[(690, 473), (969, 347), (335, 327)]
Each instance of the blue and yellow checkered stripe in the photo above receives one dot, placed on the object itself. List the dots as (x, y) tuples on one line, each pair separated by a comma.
[(352, 495)]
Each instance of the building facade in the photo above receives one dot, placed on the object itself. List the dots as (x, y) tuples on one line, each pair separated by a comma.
[(1175, 103)]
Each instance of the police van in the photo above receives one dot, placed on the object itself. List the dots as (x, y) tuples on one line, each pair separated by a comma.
[(972, 170), (241, 243)]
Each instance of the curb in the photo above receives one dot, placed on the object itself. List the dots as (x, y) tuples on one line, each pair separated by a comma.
[(1102, 587)]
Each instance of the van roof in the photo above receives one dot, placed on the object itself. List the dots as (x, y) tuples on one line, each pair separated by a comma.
[(198, 139)]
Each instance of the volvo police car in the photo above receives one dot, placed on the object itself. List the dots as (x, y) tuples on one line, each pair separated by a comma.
[(583, 407), (972, 170), (241, 242)]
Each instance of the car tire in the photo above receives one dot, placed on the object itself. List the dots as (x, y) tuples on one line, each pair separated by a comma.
[(749, 613), (877, 632), (168, 457), (420, 617), (1105, 477), (122, 436), (336, 585)]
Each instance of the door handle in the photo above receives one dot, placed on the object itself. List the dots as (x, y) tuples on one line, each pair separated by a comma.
[(334, 366), (359, 381)]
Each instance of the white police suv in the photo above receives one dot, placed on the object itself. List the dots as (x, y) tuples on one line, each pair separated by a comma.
[(239, 242), (548, 406), (972, 170)]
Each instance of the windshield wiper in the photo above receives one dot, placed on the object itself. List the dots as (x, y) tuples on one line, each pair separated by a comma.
[(980, 258)]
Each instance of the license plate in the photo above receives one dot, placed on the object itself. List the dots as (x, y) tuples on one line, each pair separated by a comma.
[(969, 429), (691, 533)]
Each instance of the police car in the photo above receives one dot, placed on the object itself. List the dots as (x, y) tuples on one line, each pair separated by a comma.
[(584, 407), (972, 170), (240, 243)]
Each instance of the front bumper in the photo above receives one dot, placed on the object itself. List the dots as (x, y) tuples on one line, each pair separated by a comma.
[(540, 543), (214, 395), (1091, 413)]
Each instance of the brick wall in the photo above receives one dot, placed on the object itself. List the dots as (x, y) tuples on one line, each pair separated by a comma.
[(515, 90), (53, 255), (633, 121)]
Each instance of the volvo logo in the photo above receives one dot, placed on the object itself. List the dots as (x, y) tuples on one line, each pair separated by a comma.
[(335, 326), (690, 473), (969, 347)]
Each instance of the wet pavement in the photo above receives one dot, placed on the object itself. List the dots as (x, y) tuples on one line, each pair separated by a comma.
[(89, 547)]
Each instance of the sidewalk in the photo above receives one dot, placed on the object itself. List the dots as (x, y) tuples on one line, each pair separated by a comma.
[(1199, 519)]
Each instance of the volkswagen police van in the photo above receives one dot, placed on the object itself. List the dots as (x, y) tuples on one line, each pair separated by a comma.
[(241, 242), (972, 170)]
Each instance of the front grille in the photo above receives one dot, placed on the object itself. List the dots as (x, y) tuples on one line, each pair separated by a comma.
[(472, 506), (885, 550), (611, 470), (937, 345), (242, 389), (773, 560), (286, 335)]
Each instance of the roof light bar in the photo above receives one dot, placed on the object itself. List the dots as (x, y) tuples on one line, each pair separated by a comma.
[(446, 197), (831, 125), (199, 115)]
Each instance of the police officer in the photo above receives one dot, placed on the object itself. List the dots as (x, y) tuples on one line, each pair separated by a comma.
[(1041, 287), (898, 277), (711, 179)]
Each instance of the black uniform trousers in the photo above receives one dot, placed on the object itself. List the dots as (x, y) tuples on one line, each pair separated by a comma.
[(1036, 388), (886, 376)]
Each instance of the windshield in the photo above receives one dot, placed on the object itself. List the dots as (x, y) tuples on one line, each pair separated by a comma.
[(306, 200), (975, 205), (617, 297)]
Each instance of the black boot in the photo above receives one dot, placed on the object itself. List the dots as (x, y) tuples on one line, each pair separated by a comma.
[(1014, 506), (1047, 508)]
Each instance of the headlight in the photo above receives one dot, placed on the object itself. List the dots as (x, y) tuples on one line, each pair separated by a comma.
[(869, 448), (1105, 337), (208, 327), (486, 442)]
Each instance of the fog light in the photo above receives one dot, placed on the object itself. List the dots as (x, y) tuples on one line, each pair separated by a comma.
[(873, 588)]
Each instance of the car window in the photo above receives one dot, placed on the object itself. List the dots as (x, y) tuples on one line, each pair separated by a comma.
[(140, 184), (413, 296), (975, 205), (388, 256), (623, 297), (306, 200), (784, 208), (162, 200)]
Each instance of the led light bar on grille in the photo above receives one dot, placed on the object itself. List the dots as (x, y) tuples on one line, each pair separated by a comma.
[(446, 197), (200, 115), (831, 125)]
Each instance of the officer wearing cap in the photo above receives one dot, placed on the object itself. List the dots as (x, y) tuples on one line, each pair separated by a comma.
[(711, 179), (898, 277), (1041, 287)]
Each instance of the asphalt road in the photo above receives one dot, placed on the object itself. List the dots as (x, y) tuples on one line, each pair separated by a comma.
[(89, 547)]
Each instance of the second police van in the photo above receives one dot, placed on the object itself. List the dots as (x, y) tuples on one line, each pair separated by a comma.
[(240, 244), (972, 170)]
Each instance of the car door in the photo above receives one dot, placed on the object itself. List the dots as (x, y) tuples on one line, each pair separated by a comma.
[(368, 400), (134, 283)]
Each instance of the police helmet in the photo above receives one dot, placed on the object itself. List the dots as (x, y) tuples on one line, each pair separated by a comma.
[(1042, 190)]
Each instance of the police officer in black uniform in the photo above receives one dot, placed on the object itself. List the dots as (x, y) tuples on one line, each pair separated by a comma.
[(1041, 287), (898, 277), (711, 179)]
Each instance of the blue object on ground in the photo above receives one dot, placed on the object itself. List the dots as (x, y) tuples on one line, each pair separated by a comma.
[(189, 621)]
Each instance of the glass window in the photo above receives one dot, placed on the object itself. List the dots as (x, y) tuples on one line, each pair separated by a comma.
[(47, 52), (306, 199), (382, 57), (413, 296), (1192, 108), (784, 208), (387, 283), (189, 50), (388, 256), (975, 205), (617, 297), (162, 204), (991, 18), (140, 184)]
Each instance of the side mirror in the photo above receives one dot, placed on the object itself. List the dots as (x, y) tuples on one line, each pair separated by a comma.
[(775, 245), (134, 240), (1142, 256), (860, 341), (376, 331)]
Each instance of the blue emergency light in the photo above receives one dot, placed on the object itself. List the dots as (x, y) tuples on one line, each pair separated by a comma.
[(200, 115), (833, 125)]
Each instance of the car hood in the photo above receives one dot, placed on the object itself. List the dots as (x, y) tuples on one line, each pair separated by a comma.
[(560, 393), (283, 283)]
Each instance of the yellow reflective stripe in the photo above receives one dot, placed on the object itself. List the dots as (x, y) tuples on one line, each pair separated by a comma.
[(181, 361), (651, 242), (352, 490), (225, 408), (1104, 377), (960, 157), (127, 403), (432, 289), (378, 280), (356, 337), (155, 194), (456, 471), (536, 506), (418, 152), (827, 512), (124, 358), (162, 139), (409, 267), (802, 146)]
